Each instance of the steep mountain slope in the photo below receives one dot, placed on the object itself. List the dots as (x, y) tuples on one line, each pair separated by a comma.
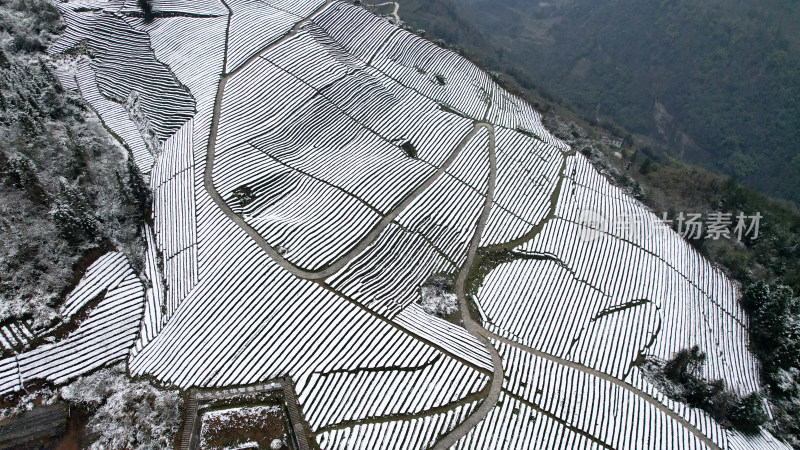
[(332, 164), (717, 80), (66, 192)]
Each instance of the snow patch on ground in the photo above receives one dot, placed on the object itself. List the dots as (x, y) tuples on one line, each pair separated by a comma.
[(222, 428), (438, 298)]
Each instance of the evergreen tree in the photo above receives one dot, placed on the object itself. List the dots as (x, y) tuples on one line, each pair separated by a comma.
[(147, 9), (140, 194), (74, 218)]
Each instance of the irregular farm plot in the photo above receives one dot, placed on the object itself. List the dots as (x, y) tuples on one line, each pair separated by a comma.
[(697, 304), (126, 72), (104, 336), (440, 382), (413, 433), (243, 427)]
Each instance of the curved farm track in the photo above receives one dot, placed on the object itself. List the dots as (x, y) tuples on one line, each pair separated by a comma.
[(616, 381), (394, 11), (474, 328)]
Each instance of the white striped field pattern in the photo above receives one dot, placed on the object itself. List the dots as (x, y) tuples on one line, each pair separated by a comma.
[(312, 166), (103, 337)]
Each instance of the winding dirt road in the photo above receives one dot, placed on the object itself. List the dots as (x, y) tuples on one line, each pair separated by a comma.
[(474, 328), (394, 12)]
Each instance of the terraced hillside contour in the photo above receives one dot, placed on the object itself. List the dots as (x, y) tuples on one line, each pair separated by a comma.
[(313, 165)]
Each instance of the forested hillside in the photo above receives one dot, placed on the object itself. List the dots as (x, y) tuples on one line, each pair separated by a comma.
[(715, 80), (67, 193)]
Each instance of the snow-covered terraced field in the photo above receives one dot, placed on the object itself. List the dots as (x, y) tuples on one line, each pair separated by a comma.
[(515, 425), (113, 115), (127, 72), (15, 335), (312, 166), (103, 337), (694, 303), (439, 382), (589, 405), (409, 434)]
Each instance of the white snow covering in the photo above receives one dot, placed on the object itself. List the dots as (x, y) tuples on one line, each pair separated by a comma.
[(105, 336), (328, 128)]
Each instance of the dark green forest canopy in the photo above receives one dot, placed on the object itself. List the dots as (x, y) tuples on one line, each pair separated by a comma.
[(727, 74)]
